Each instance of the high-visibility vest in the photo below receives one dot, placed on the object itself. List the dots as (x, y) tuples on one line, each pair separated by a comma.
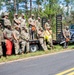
[(47, 35)]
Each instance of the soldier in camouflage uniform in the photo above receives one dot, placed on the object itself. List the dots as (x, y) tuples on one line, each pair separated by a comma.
[(16, 39), (25, 39), (66, 34), (16, 20), (1, 38), (41, 39), (48, 36), (22, 20), (38, 23), (47, 24), (6, 20), (7, 33), (32, 23)]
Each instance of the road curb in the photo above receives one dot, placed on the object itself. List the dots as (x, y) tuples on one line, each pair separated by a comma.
[(33, 57)]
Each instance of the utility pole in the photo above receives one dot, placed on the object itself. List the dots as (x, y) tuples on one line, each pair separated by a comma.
[(15, 6), (30, 7)]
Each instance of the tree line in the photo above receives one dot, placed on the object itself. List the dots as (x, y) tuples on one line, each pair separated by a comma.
[(42, 8)]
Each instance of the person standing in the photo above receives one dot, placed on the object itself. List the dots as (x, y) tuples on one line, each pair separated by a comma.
[(7, 34), (1, 40), (16, 39), (25, 39), (6, 19), (16, 20), (38, 24), (66, 34), (47, 24), (22, 20), (32, 28)]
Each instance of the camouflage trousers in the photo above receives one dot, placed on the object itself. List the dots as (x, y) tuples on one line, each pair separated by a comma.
[(50, 42), (1, 52), (17, 47), (43, 44), (25, 44)]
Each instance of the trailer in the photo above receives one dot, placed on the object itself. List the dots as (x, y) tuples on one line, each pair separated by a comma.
[(34, 43), (59, 32)]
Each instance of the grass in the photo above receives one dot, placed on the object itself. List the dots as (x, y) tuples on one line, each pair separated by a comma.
[(57, 48)]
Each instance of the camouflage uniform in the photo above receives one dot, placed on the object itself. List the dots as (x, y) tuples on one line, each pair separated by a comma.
[(31, 22), (16, 20), (25, 39), (7, 33), (6, 20), (48, 36), (16, 39), (1, 38), (66, 34), (47, 24), (38, 24), (22, 20), (41, 39)]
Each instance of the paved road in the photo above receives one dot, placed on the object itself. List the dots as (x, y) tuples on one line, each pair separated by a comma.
[(46, 65)]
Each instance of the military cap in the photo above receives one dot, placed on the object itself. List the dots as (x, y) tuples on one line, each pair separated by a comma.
[(16, 27), (38, 17), (41, 28), (15, 14), (32, 15), (22, 14), (48, 20), (8, 25), (6, 13), (67, 26), (48, 27)]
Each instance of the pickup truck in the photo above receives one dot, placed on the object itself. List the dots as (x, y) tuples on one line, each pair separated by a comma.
[(71, 28)]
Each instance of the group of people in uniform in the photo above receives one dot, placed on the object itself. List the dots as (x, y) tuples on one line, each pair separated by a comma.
[(21, 31)]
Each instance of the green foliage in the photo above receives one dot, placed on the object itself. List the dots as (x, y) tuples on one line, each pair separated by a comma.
[(1, 4), (57, 48), (49, 9)]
